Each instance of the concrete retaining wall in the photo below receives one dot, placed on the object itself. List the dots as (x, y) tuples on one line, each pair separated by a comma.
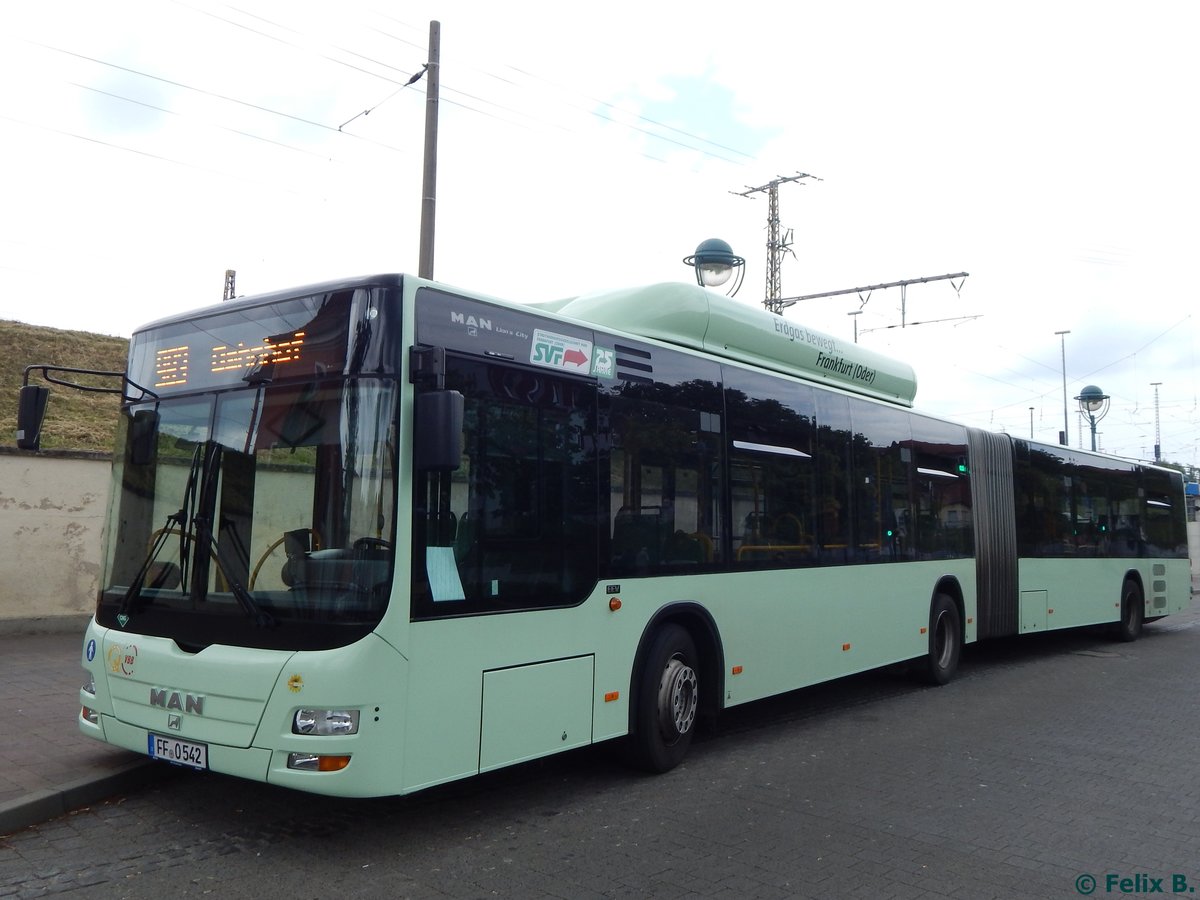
[(52, 516)]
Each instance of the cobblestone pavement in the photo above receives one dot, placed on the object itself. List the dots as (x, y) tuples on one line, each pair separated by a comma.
[(1049, 760)]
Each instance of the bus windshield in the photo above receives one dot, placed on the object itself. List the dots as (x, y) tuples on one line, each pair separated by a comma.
[(261, 516)]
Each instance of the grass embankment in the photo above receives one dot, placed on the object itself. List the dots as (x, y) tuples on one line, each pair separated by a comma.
[(75, 420)]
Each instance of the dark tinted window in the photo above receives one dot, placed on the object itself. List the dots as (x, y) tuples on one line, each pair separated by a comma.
[(941, 514), (772, 470), (1124, 525), (1043, 497), (514, 526), (1071, 503), (1166, 523), (882, 458), (663, 443), (834, 465), (1092, 509)]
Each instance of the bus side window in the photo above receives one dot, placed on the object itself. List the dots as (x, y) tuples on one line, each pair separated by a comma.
[(664, 469), (773, 472), (1045, 519), (882, 482), (942, 490), (516, 521), (834, 468)]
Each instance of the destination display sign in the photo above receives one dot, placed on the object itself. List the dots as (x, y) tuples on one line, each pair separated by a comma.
[(286, 339)]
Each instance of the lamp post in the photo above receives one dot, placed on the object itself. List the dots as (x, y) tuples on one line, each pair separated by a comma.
[(714, 262), (1094, 404), (1065, 435)]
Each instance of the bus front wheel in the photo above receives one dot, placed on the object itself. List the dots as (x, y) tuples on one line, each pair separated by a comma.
[(668, 701), (945, 640), (1133, 611)]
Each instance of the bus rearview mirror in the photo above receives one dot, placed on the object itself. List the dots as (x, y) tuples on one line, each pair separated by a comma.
[(143, 437), (438, 431), (31, 409)]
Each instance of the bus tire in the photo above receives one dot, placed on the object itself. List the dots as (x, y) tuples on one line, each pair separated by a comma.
[(945, 640), (668, 701), (1133, 612)]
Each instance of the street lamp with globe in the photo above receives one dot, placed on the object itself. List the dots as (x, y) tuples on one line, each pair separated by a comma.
[(1094, 404)]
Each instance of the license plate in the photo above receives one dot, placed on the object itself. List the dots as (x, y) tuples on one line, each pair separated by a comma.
[(180, 752)]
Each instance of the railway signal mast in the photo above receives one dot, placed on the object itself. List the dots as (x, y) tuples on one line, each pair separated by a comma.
[(777, 245)]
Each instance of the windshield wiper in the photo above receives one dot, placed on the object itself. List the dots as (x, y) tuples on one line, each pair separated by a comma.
[(179, 519), (205, 545)]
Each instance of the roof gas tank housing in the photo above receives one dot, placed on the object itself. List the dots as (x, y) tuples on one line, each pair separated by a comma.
[(690, 316)]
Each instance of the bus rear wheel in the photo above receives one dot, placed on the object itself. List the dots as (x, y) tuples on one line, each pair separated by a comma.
[(668, 701), (945, 640), (1133, 612)]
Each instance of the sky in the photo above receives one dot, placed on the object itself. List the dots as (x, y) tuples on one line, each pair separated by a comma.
[(1048, 149)]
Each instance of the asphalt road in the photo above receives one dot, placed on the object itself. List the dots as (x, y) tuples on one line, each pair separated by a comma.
[(1053, 766)]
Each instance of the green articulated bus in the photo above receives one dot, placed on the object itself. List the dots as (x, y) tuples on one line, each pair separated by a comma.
[(378, 534)]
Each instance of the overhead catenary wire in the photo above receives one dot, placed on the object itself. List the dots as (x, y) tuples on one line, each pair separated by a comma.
[(134, 150), (691, 143), (366, 112), (279, 40)]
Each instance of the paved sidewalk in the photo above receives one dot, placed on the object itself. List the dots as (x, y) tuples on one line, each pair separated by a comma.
[(47, 767)]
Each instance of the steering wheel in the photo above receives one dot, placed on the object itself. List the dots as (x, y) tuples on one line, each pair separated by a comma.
[(316, 544)]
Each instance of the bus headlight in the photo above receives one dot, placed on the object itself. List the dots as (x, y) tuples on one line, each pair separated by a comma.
[(325, 721)]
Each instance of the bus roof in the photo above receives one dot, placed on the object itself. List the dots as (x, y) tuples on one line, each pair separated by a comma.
[(690, 316), (685, 315)]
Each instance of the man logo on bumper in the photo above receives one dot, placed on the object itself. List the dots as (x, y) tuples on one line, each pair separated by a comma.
[(175, 722), (188, 703)]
